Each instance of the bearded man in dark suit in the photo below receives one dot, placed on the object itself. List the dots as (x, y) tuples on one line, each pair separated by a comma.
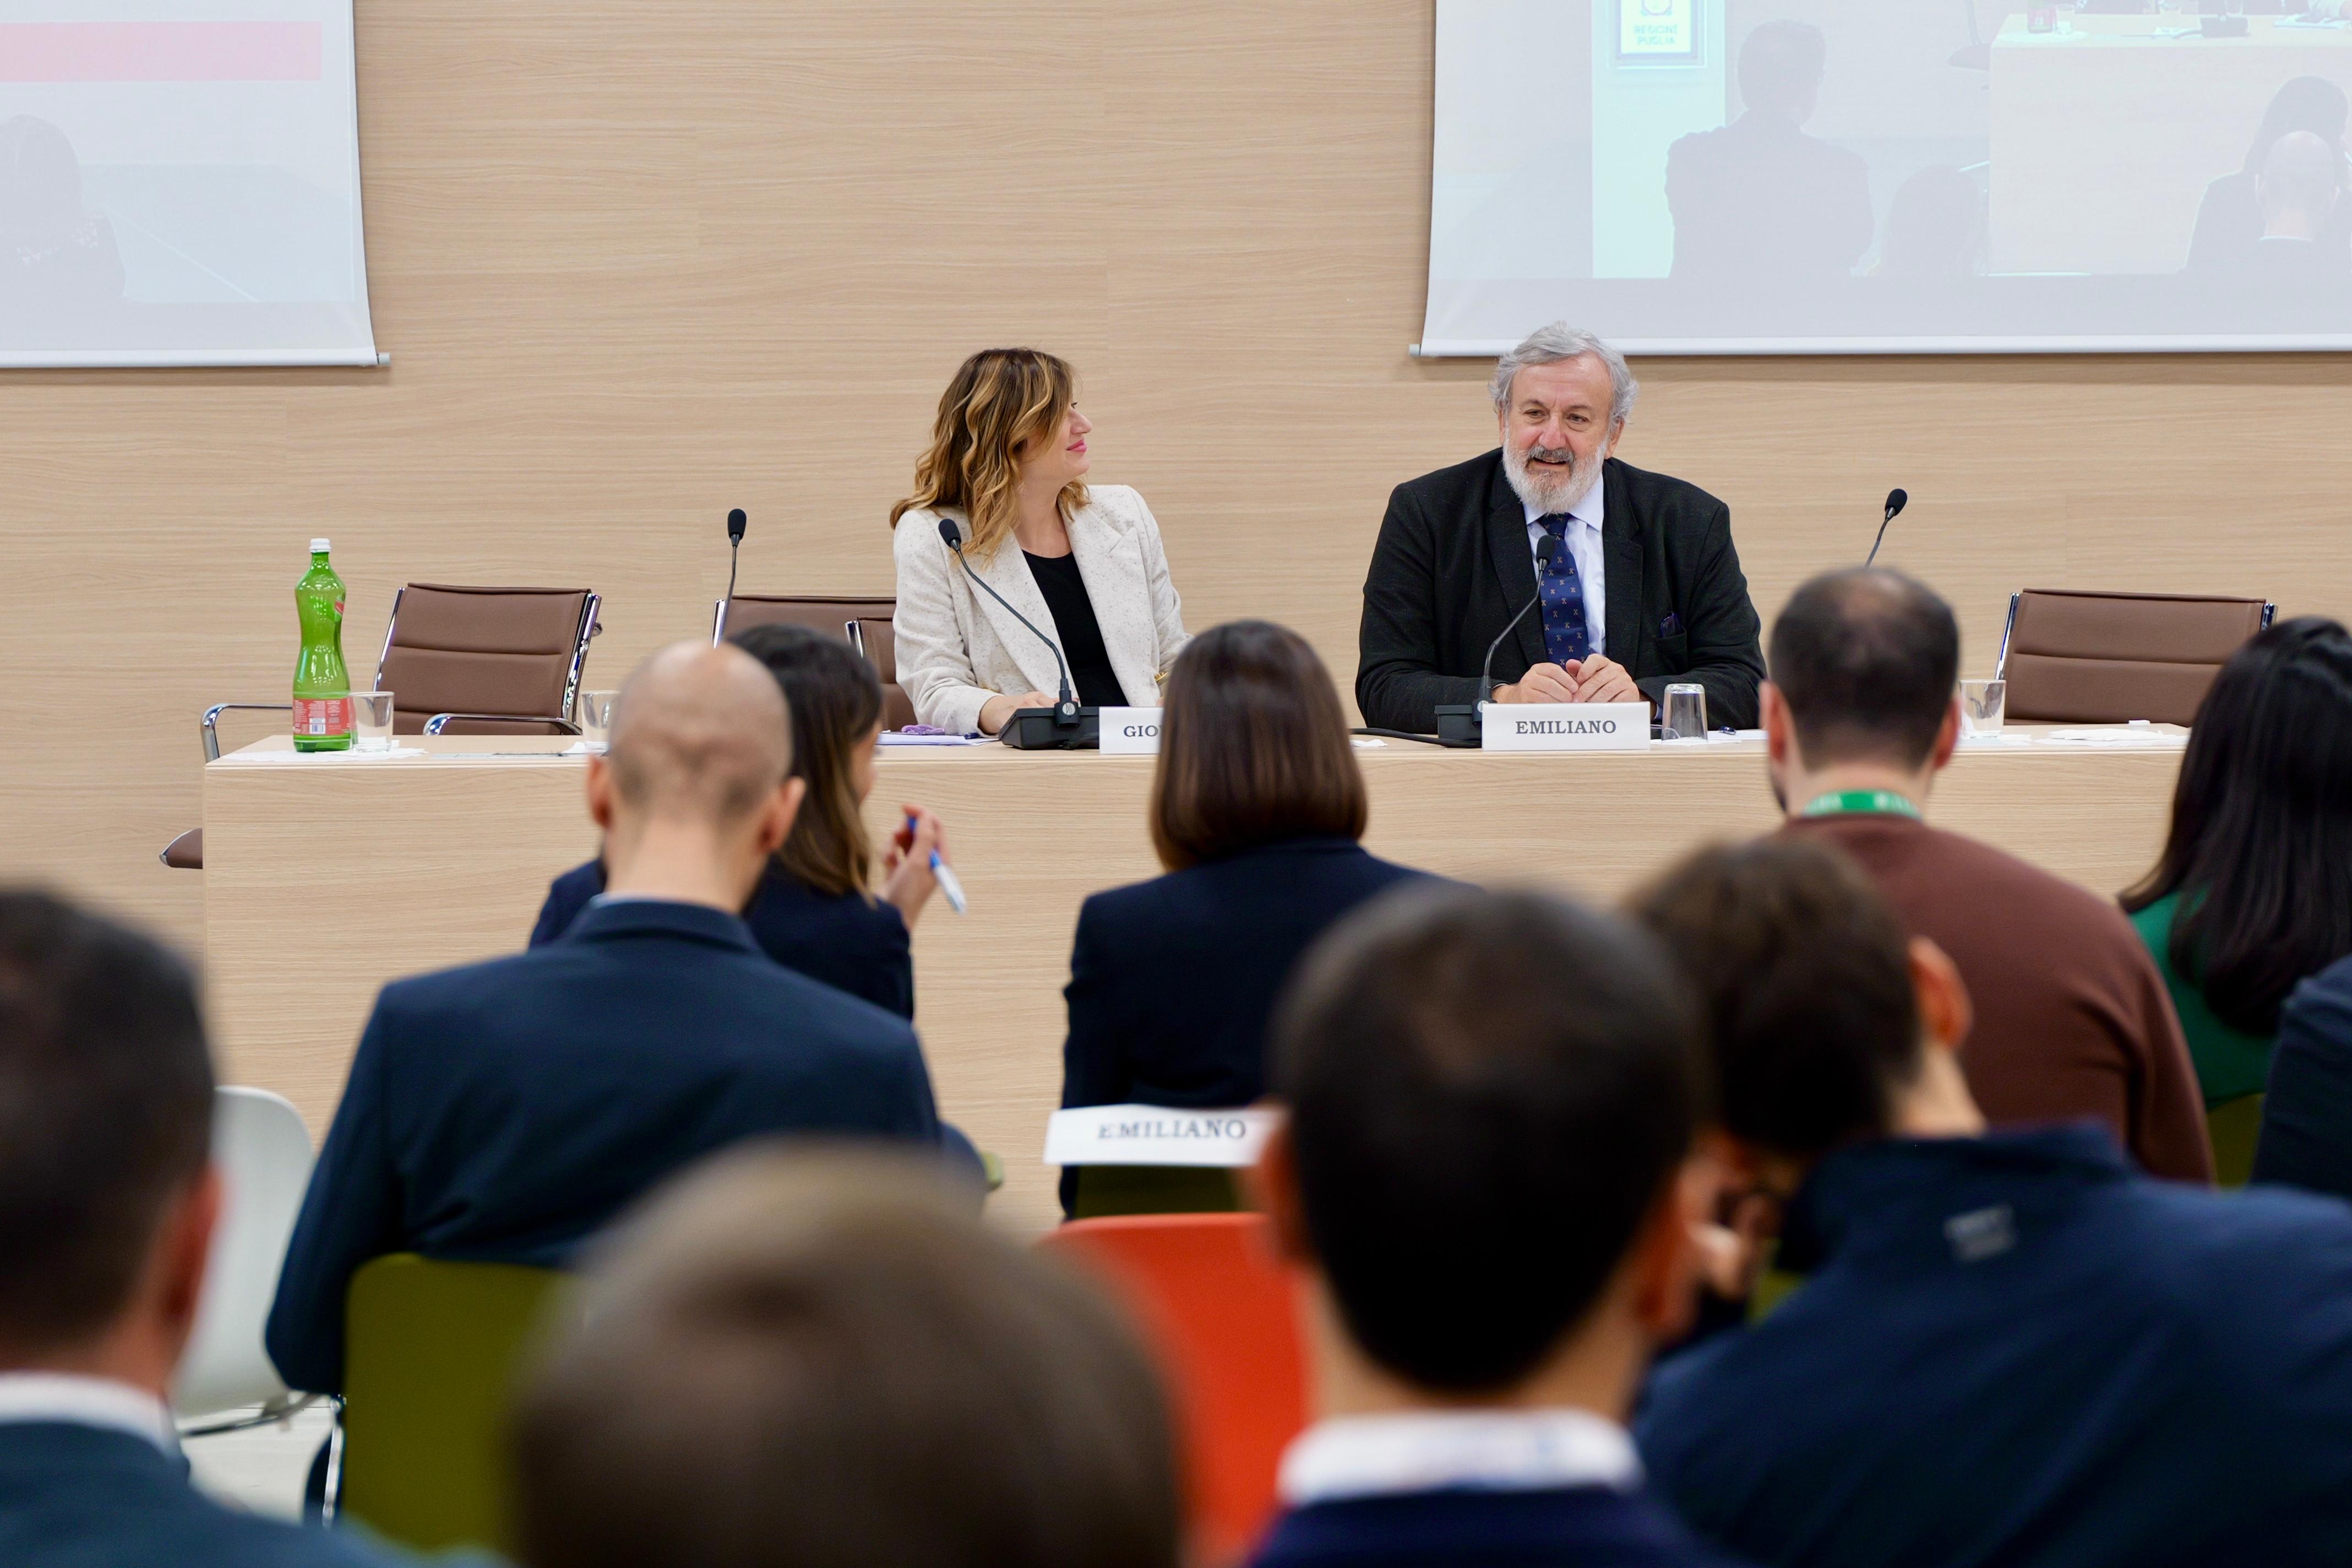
[(1640, 587)]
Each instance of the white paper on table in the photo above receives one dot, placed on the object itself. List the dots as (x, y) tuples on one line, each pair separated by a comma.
[(1365, 743), (328, 759), (2121, 737), (1158, 1135), (893, 737)]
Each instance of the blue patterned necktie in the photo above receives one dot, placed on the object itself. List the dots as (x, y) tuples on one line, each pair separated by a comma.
[(1565, 636)]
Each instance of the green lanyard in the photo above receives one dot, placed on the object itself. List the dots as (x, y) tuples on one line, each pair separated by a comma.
[(1857, 802)]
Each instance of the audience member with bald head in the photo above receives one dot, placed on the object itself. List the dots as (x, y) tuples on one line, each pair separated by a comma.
[(506, 1110)]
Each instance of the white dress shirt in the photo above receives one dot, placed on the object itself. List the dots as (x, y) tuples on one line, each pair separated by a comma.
[(1452, 1450), (87, 1402), (1584, 549)]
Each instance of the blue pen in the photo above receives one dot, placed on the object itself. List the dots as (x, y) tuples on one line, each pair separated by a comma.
[(944, 874)]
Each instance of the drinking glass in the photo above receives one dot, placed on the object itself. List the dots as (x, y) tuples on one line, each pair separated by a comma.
[(596, 717), (1983, 705), (371, 720), (1683, 715)]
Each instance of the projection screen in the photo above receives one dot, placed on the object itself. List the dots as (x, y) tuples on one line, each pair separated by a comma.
[(180, 184), (1871, 177)]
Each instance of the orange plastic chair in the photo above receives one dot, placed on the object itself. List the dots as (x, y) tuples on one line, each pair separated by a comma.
[(1216, 1307)]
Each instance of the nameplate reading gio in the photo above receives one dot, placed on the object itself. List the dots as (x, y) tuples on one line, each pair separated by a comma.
[(1565, 726), (1157, 1135), (1134, 730)]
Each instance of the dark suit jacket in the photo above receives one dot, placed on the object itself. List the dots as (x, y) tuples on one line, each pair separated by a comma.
[(506, 1110), (1453, 567), (842, 940), (1171, 980), (2307, 1114), (1585, 1527), (86, 1496)]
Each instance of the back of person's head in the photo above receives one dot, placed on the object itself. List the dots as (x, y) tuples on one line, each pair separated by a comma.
[(700, 734), (825, 1360), (106, 1104), (836, 703), (2311, 103), (1780, 67), (1803, 973), (2259, 848), (1254, 748), (1866, 660), (1491, 1097), (997, 408), (2301, 176)]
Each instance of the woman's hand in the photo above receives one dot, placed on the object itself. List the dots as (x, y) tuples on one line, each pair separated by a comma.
[(907, 879), (997, 711)]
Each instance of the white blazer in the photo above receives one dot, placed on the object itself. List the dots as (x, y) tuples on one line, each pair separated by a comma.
[(957, 648)]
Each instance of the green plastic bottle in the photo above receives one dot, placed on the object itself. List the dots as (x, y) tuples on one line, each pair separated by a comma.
[(322, 686)]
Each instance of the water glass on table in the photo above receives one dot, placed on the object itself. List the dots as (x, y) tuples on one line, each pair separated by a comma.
[(596, 718), (371, 720), (1983, 704), (1683, 715)]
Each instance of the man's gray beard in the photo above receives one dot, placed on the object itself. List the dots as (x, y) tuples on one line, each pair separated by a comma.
[(1553, 499)]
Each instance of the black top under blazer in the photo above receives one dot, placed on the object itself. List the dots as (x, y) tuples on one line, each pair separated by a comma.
[(1453, 566), (1171, 980), (504, 1111), (842, 940), (78, 1495)]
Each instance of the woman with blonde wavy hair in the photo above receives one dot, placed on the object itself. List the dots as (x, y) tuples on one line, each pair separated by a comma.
[(1007, 467)]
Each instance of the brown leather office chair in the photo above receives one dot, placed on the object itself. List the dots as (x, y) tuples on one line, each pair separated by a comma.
[(2105, 658), (865, 622), (459, 660)]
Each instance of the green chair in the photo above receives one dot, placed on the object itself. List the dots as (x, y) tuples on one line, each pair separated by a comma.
[(2234, 1127), (1107, 1190), (429, 1358)]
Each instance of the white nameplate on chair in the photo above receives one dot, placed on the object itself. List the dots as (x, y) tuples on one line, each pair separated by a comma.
[(1564, 726), (1157, 1135), (1133, 731)]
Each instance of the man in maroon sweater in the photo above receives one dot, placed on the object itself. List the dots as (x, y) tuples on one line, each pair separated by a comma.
[(2071, 1019)]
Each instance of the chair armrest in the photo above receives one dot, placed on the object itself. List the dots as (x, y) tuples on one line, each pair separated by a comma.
[(211, 725), (433, 726)]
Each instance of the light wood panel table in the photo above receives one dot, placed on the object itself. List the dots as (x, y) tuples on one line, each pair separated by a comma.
[(325, 878)]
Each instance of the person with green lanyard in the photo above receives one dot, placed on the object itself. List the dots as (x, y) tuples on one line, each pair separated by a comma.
[(2072, 1020), (2252, 893)]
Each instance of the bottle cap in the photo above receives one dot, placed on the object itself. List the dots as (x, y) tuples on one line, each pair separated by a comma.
[(318, 547)]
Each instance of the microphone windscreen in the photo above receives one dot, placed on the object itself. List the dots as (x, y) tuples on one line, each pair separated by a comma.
[(1896, 500), (949, 531), (736, 522), (1546, 548)]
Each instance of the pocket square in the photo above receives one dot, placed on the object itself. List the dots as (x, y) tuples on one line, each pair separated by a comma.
[(1671, 627)]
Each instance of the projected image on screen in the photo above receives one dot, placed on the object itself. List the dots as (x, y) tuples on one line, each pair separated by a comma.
[(1869, 175), (179, 185)]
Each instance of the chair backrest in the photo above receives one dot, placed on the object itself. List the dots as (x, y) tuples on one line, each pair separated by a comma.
[(453, 649), (834, 615), (2105, 658), (263, 1154), (428, 1362), (1218, 1310)]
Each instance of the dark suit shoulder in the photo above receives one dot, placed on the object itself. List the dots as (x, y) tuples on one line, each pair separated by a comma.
[(1666, 499), (1444, 489), (1180, 898)]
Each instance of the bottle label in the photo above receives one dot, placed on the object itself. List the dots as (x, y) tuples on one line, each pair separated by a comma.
[(323, 715)]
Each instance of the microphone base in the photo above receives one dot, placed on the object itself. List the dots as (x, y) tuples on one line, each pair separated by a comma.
[(1457, 724), (1043, 730)]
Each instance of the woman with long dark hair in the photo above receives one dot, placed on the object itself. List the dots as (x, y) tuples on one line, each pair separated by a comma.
[(1257, 810), (815, 911), (2253, 890)]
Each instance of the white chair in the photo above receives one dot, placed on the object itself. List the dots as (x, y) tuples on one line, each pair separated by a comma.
[(263, 1154)]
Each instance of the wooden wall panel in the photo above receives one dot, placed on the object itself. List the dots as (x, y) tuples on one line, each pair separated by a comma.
[(640, 262)]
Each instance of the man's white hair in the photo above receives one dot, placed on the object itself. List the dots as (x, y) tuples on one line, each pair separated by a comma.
[(1558, 341)]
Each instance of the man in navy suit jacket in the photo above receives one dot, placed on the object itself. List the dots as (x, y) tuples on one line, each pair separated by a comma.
[(1492, 1101), (2012, 1347), (506, 1110), (108, 1202)]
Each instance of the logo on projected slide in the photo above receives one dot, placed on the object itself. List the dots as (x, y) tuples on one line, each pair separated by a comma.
[(1655, 27)]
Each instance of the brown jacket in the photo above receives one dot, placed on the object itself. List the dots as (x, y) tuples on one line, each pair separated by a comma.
[(2071, 1018)]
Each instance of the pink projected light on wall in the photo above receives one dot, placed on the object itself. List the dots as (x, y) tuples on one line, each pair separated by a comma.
[(159, 51)]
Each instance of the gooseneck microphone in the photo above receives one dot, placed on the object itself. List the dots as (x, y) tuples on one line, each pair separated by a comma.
[(1896, 501), (1065, 711), (1546, 548), (1457, 723), (736, 522)]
